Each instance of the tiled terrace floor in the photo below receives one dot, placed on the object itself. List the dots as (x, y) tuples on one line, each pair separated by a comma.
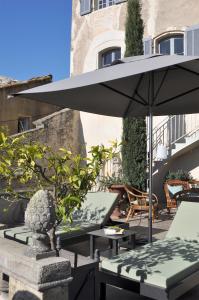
[(140, 225)]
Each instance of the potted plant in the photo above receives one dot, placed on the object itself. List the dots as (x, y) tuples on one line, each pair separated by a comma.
[(68, 176), (179, 174)]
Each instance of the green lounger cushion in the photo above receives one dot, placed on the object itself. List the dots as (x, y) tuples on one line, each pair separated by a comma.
[(94, 213), (75, 230), (96, 208), (163, 263), (185, 224), (20, 233), (23, 234)]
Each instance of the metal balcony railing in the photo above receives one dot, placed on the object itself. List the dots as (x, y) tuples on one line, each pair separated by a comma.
[(174, 130)]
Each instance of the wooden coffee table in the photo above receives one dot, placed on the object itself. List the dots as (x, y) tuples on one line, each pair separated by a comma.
[(113, 240)]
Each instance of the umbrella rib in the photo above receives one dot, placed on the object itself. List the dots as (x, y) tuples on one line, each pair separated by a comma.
[(135, 93), (161, 84), (178, 96), (188, 70), (122, 94)]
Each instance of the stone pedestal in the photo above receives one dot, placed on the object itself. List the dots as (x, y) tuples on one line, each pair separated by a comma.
[(19, 291), (32, 279)]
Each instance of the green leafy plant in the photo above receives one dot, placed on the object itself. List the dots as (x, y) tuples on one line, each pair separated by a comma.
[(69, 176), (107, 181), (179, 174)]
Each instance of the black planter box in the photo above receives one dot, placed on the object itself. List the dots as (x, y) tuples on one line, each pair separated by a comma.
[(84, 272)]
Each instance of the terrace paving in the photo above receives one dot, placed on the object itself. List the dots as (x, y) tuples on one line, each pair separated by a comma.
[(140, 225)]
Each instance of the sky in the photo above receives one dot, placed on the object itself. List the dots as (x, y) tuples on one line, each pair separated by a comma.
[(35, 38)]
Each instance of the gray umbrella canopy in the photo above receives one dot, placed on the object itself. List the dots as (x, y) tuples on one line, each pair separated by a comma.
[(124, 89), (136, 86)]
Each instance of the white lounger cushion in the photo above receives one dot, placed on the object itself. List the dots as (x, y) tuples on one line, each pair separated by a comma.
[(162, 264), (94, 213), (186, 222), (166, 262)]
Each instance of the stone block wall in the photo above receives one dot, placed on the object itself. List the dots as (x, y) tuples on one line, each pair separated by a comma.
[(60, 129), (14, 108)]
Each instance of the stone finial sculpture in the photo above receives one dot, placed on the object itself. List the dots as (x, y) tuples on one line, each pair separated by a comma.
[(40, 217)]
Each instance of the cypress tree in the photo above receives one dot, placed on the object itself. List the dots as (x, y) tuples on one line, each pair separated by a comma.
[(134, 129)]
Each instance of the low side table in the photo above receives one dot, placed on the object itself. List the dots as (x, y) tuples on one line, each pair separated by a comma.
[(113, 239)]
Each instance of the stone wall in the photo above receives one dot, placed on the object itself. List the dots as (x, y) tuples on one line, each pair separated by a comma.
[(60, 129), (14, 108)]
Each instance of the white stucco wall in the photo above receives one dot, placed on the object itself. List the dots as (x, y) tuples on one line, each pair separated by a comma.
[(90, 35), (101, 129), (104, 29)]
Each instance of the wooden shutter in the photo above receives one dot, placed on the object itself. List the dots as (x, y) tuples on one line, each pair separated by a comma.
[(191, 41), (119, 1), (147, 44), (85, 7)]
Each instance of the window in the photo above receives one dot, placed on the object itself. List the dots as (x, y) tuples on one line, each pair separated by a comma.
[(23, 124), (87, 6), (105, 3), (172, 45), (107, 57)]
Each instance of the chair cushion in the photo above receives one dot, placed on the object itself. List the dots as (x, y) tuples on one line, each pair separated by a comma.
[(96, 208), (173, 189), (164, 263), (185, 224)]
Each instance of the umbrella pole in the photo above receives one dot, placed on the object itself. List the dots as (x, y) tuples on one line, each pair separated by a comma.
[(150, 173)]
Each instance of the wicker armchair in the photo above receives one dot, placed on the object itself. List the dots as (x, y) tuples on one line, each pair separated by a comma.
[(171, 187), (139, 201)]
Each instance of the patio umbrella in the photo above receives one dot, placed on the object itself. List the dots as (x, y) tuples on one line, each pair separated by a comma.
[(135, 86)]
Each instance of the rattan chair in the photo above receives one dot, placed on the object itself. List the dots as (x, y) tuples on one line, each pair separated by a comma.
[(139, 202), (171, 187)]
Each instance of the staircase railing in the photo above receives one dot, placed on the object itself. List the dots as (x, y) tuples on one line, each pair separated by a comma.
[(171, 130), (175, 129)]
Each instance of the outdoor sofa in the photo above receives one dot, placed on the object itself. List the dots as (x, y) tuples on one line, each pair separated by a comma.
[(95, 213), (165, 269)]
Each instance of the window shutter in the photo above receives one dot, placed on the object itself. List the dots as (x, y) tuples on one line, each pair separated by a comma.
[(196, 41), (119, 1), (147, 44), (85, 7), (192, 40)]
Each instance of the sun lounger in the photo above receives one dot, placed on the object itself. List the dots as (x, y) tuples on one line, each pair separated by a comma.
[(94, 214), (163, 270)]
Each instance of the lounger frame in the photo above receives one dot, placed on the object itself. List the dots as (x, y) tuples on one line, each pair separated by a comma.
[(144, 289), (72, 240)]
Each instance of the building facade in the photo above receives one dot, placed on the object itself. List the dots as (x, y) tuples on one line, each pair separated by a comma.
[(98, 37), (18, 114)]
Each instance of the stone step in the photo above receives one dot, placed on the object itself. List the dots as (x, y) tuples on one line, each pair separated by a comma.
[(4, 296), (4, 288), (178, 147)]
